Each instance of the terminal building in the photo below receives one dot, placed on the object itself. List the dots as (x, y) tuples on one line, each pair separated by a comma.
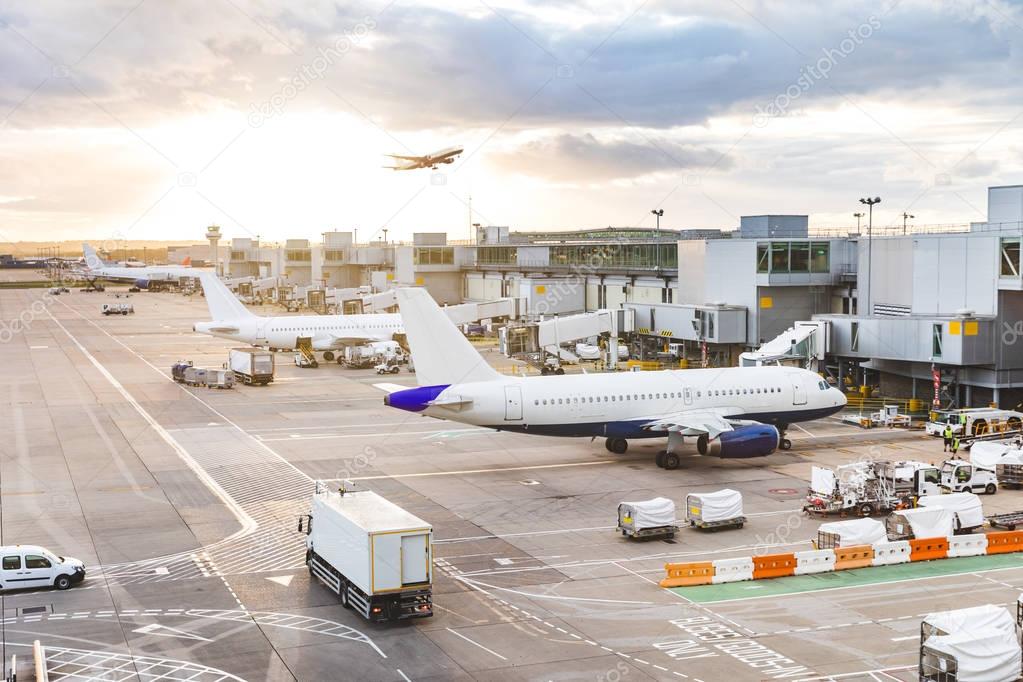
[(898, 309)]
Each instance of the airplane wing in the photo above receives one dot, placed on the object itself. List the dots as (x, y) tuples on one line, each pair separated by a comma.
[(417, 159), (391, 388), (331, 341), (693, 423)]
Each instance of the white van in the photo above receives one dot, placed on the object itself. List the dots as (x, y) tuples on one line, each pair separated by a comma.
[(27, 566)]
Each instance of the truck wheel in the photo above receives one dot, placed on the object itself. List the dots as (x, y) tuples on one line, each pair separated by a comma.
[(866, 509), (559, 371), (62, 582), (345, 601), (991, 489), (544, 371)]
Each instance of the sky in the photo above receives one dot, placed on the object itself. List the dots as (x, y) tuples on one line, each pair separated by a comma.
[(150, 120)]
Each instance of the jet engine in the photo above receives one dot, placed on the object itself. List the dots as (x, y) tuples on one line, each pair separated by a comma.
[(142, 283), (757, 440)]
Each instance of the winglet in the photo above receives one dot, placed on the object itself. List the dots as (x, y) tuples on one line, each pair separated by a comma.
[(441, 354)]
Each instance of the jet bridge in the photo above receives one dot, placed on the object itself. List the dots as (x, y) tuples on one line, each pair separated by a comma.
[(803, 345), (552, 332)]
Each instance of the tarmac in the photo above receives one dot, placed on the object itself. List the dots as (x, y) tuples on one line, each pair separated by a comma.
[(184, 502)]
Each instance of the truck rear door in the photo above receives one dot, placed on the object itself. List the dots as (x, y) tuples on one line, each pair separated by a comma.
[(415, 559)]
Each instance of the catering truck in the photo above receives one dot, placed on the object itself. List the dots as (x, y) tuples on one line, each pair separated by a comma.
[(252, 365), (869, 488), (374, 555)]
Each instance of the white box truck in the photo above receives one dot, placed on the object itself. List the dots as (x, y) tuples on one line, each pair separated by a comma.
[(374, 555), (252, 365)]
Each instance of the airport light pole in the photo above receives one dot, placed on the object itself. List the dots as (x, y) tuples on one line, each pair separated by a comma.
[(658, 212), (869, 203), (905, 217), (858, 216)]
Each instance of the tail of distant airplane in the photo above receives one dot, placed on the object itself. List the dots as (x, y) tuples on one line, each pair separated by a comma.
[(222, 303), (187, 262), (440, 353), (92, 259)]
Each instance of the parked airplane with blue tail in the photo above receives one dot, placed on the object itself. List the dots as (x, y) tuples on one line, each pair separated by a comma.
[(734, 412)]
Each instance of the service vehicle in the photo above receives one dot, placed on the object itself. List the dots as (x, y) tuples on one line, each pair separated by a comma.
[(371, 354), (195, 376), (978, 421), (219, 378), (1009, 470), (377, 557), (178, 370), (251, 365), (868, 488), (960, 476), (25, 566), (387, 368), (719, 509), (117, 308), (647, 518)]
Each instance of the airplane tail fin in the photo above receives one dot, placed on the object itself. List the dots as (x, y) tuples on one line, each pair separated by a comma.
[(92, 259), (440, 353), (222, 303), (187, 262)]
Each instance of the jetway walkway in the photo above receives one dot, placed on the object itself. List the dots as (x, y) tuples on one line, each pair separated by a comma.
[(552, 332), (805, 345)]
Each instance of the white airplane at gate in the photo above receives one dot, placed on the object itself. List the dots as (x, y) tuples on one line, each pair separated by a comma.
[(735, 412), (329, 333)]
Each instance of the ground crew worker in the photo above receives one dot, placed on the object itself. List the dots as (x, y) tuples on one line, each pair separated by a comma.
[(955, 447), (948, 435)]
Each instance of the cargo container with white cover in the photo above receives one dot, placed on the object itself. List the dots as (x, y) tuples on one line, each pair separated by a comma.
[(252, 365), (977, 644), (374, 555), (647, 518), (719, 509)]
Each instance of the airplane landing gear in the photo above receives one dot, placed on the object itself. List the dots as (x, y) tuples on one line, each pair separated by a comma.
[(617, 445), (783, 442), (667, 460), (328, 356)]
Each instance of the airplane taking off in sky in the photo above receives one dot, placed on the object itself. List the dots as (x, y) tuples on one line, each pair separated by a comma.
[(329, 333), (428, 161), (97, 268), (734, 412)]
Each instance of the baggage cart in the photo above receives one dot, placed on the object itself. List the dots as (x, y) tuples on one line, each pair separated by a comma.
[(647, 518), (716, 510)]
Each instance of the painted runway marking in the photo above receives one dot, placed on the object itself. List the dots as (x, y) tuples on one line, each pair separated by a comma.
[(475, 643), (477, 471)]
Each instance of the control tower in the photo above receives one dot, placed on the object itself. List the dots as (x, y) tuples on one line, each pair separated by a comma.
[(213, 234)]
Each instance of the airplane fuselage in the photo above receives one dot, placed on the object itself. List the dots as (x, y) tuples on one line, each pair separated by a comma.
[(620, 405)]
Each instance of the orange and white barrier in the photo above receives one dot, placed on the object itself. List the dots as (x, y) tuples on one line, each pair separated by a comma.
[(891, 553), (732, 570), (840, 559), (815, 561)]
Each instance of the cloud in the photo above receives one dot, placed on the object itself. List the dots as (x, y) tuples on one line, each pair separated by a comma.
[(584, 158)]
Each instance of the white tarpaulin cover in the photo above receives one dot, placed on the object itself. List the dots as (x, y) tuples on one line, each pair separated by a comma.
[(981, 655), (934, 522), (719, 505), (856, 531), (654, 513), (822, 481), (1012, 457), (965, 505), (986, 616), (987, 455)]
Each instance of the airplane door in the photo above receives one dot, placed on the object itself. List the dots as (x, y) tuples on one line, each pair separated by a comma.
[(512, 403), (261, 331), (687, 392), (798, 390)]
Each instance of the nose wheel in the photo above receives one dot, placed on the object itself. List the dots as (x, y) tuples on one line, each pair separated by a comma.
[(616, 445)]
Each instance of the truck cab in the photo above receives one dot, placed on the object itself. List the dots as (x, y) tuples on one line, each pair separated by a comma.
[(960, 476), (29, 566)]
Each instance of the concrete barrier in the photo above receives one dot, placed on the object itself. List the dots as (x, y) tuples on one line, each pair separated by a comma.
[(684, 575), (1005, 542), (928, 549), (967, 545), (890, 553), (773, 566), (815, 561), (857, 556), (733, 570)]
